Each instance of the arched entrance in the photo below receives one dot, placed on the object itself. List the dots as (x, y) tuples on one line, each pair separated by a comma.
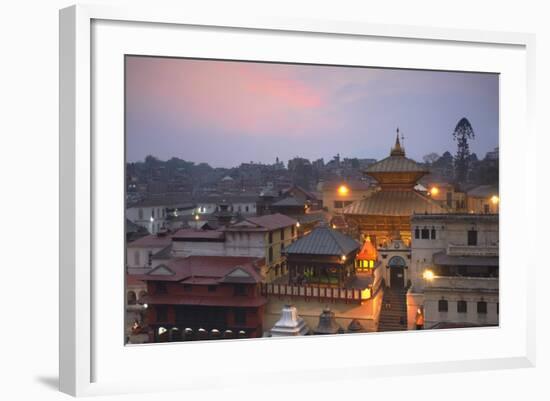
[(397, 272)]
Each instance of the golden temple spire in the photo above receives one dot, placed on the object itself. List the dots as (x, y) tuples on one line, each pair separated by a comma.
[(397, 150)]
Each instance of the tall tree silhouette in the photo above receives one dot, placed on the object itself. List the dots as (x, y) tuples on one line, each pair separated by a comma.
[(462, 133)]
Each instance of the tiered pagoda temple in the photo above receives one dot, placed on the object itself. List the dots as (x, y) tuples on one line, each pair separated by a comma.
[(385, 215)]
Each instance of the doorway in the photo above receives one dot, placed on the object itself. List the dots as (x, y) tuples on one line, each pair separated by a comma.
[(397, 272)]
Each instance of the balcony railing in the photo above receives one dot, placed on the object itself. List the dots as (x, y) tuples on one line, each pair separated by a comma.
[(472, 250), (331, 294)]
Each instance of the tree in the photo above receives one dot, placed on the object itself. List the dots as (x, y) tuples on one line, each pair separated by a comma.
[(462, 133), (430, 158)]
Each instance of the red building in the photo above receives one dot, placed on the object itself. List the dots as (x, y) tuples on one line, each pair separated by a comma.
[(204, 292)]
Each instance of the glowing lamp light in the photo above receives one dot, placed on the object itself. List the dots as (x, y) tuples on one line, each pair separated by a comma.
[(428, 275), (152, 219), (495, 199), (344, 257), (145, 306), (196, 217), (434, 191), (343, 190), (298, 224)]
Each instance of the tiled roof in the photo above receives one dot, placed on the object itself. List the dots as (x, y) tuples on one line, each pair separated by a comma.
[(192, 233), (394, 203), (309, 194), (204, 267), (228, 199), (323, 241), (395, 164), (151, 241), (163, 254), (289, 201), (269, 222)]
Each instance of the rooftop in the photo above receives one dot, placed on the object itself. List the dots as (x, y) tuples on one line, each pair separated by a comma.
[(268, 222), (151, 241), (323, 241), (206, 270), (394, 203), (197, 234), (483, 191), (289, 201)]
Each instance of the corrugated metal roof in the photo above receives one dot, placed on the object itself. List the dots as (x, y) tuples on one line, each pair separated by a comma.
[(323, 241), (394, 203), (396, 164)]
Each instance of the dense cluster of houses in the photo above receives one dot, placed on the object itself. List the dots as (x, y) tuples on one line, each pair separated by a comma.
[(395, 251)]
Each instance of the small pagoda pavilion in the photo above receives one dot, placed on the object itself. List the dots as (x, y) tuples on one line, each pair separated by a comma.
[(386, 213), (365, 261), (323, 257)]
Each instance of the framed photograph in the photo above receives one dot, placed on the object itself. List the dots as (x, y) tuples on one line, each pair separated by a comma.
[(299, 199)]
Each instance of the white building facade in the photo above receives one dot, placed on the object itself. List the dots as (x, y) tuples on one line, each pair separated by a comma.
[(454, 270)]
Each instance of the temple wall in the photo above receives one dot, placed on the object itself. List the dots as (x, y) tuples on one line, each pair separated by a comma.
[(367, 313)]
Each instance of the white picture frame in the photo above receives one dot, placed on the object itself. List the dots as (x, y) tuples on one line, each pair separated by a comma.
[(90, 360)]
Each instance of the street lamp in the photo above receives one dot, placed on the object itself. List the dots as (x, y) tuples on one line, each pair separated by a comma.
[(434, 191), (343, 190), (495, 199), (428, 275)]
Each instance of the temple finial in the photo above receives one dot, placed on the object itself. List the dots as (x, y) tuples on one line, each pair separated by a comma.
[(397, 150)]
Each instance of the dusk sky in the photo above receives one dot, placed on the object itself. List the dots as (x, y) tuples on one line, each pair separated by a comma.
[(226, 113)]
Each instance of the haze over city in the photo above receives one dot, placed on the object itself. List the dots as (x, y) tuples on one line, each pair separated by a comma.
[(225, 113)]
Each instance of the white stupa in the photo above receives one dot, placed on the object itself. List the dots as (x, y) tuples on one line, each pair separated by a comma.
[(290, 324)]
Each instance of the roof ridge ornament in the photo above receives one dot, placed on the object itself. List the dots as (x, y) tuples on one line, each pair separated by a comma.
[(397, 150)]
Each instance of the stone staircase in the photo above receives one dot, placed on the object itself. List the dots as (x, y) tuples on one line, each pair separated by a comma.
[(393, 315)]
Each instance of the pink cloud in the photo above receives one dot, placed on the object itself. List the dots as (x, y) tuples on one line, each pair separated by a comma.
[(239, 97)]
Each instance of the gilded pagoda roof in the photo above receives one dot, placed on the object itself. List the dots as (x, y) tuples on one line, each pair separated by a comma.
[(394, 203), (396, 164)]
